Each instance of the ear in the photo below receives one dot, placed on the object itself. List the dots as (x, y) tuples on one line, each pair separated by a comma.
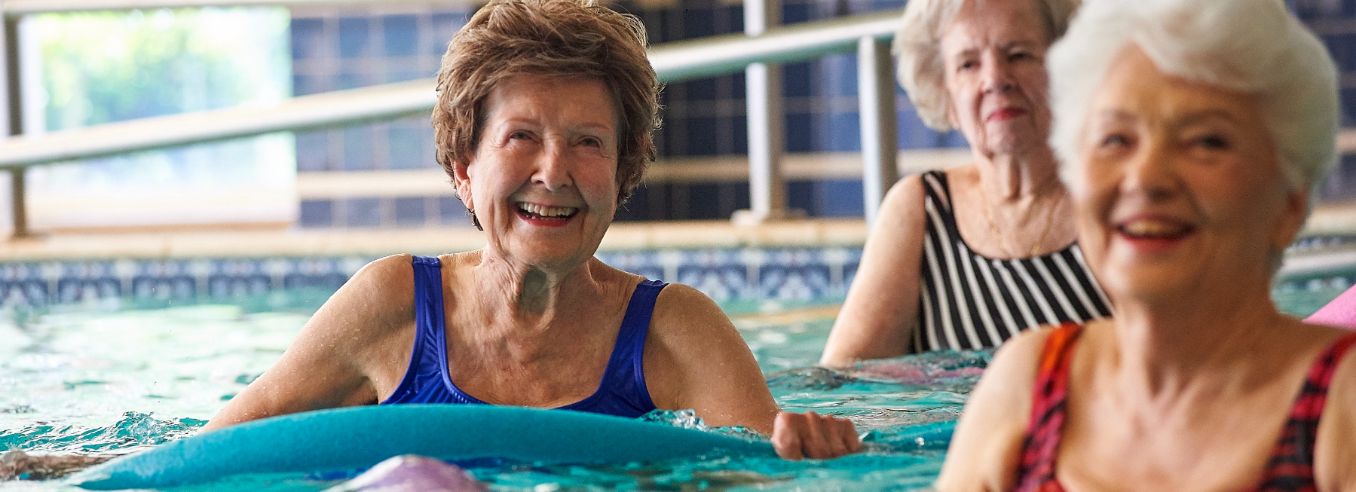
[(461, 170)]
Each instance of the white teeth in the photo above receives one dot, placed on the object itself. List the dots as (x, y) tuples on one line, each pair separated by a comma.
[(1153, 228), (545, 211)]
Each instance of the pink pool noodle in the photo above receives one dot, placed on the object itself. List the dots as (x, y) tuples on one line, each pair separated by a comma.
[(1341, 312)]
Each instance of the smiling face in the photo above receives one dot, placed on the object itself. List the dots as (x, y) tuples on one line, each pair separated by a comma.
[(993, 53), (1180, 190), (543, 180)]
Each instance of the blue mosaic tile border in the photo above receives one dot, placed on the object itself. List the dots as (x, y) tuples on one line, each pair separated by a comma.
[(727, 275)]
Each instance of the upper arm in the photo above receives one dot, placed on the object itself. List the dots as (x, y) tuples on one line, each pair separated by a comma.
[(329, 362), (694, 358), (1334, 453), (987, 443), (868, 327)]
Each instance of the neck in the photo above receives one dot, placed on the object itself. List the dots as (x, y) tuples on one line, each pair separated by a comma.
[(1019, 177), (1169, 348), (525, 296)]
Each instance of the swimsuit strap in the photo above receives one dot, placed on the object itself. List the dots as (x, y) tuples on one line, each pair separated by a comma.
[(1041, 444), (1291, 466)]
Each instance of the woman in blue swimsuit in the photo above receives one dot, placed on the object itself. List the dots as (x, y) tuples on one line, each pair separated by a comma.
[(543, 122)]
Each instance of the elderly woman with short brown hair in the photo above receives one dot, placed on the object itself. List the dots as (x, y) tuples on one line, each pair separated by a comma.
[(544, 121), (968, 257), (1192, 134)]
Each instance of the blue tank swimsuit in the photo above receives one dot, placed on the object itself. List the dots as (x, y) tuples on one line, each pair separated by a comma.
[(621, 392)]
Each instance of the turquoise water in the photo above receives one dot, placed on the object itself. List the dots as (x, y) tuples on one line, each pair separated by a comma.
[(117, 378)]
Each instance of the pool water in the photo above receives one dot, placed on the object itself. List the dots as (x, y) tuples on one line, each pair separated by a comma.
[(115, 378)]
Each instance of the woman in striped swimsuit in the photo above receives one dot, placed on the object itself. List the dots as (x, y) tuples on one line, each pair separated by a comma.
[(968, 257), (1193, 133)]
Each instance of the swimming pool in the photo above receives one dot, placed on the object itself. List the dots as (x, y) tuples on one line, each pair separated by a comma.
[(118, 376)]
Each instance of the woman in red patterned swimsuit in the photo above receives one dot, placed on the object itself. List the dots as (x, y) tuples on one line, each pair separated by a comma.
[(1191, 134)]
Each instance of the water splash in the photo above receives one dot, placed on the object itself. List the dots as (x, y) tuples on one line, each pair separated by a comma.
[(133, 431)]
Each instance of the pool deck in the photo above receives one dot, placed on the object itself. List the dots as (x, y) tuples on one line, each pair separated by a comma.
[(282, 241), (1328, 220)]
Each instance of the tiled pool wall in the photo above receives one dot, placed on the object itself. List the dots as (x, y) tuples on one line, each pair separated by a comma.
[(341, 48), (787, 275), (783, 275)]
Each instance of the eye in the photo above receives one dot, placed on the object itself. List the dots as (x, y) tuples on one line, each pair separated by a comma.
[(591, 142), (1020, 55), (1113, 141), (519, 135), (1212, 142), (966, 65)]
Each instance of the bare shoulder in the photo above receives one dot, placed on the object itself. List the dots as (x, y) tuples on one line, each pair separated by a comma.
[(987, 442), (381, 290), (904, 198), (684, 311)]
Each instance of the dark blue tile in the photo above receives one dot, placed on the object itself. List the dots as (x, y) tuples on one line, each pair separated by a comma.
[(1348, 102), (839, 198), (407, 146), (452, 212), (358, 153), (316, 213), (702, 136), (714, 201), (355, 37), (313, 150), (400, 35), (363, 212), (954, 139), (795, 13), (844, 132), (353, 77), (739, 133), (701, 90), (404, 72), (411, 211), (800, 132), (800, 195), (309, 40), (303, 84), (839, 74), (798, 80), (698, 21)]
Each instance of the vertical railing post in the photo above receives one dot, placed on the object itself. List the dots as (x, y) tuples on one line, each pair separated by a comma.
[(767, 136), (13, 103), (876, 97)]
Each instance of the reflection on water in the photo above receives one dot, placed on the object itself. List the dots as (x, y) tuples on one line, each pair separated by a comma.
[(120, 379)]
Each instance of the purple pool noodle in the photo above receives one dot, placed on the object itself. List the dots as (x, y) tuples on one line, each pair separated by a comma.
[(411, 473), (1341, 312)]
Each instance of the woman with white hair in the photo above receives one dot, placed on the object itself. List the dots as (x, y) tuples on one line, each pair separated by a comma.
[(1192, 134), (972, 255)]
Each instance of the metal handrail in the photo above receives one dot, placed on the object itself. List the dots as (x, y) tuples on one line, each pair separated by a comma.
[(672, 61)]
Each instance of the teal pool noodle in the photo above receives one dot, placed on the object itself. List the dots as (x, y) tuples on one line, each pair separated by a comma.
[(359, 437)]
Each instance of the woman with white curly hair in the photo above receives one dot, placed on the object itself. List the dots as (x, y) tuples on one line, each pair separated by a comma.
[(1192, 134), (972, 255)]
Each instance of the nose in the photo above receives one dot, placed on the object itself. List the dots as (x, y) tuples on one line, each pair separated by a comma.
[(997, 75), (1151, 172), (552, 170)]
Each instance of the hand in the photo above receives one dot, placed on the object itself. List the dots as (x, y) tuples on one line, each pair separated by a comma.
[(809, 435)]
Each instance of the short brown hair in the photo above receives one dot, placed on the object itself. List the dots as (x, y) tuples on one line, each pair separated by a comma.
[(567, 38)]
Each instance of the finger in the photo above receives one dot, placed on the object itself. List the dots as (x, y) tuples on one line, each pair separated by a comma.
[(786, 438), (815, 439), (848, 433), (831, 432)]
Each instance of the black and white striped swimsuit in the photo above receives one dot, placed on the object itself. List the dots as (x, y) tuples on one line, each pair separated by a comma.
[(969, 301)]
